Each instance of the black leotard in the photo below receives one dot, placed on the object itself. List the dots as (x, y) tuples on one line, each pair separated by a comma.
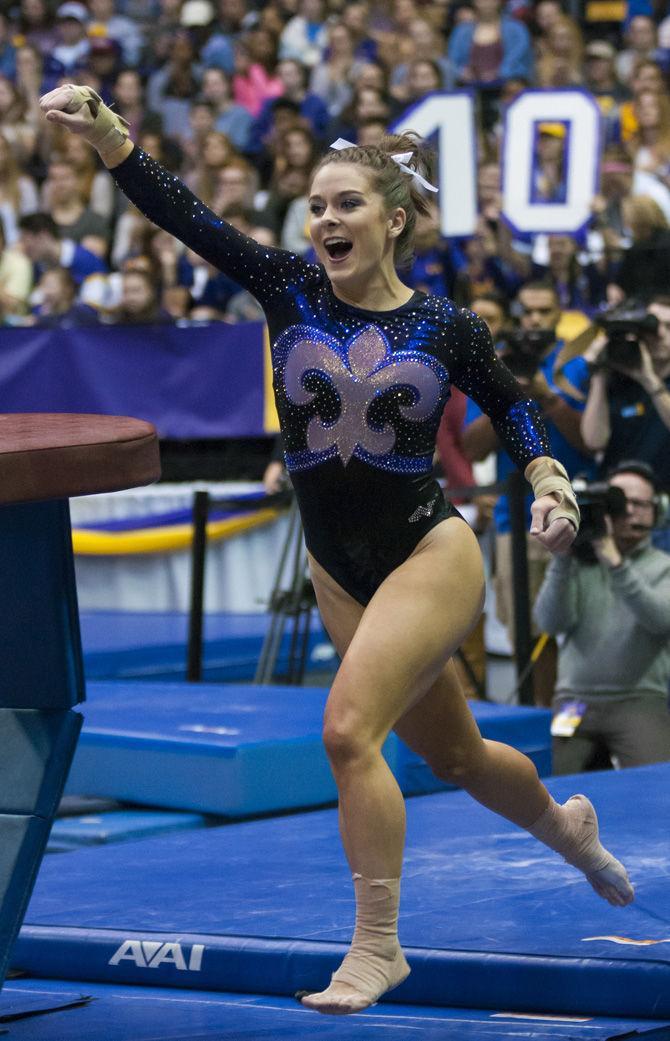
[(359, 393)]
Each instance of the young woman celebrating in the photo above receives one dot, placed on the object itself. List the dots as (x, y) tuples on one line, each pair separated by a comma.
[(362, 367)]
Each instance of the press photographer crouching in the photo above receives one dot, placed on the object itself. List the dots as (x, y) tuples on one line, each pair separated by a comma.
[(609, 597), (627, 411)]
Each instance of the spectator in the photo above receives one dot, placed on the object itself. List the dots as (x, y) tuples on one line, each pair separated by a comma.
[(107, 23), (367, 103), (601, 79), (18, 193), (356, 17), (645, 268), (56, 305), (491, 48), (73, 44), (18, 129), (480, 269), (614, 662), (41, 243), (371, 130), (230, 119), (236, 187), (549, 167), (561, 64), (255, 81), (7, 49), (556, 387), (627, 410), (433, 268), (422, 77), (305, 36), (641, 39), (646, 75), (140, 301), (171, 89), (650, 144), (96, 185), (16, 280), (128, 94), (332, 79), (201, 119), (311, 108), (217, 151), (104, 61), (37, 25), (579, 284), (64, 197), (422, 44)]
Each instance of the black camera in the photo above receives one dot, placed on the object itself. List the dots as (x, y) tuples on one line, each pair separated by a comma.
[(624, 330), (596, 502), (523, 350)]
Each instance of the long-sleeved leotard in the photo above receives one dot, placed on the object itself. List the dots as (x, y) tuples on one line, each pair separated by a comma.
[(359, 393)]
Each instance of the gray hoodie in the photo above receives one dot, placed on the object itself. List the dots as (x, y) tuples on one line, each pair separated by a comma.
[(616, 624)]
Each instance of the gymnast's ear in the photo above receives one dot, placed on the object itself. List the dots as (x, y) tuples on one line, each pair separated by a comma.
[(396, 222)]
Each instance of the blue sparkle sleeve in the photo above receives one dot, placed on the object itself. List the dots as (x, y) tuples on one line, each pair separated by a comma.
[(483, 377), (167, 202)]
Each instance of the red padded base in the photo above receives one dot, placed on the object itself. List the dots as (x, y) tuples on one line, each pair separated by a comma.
[(58, 455)]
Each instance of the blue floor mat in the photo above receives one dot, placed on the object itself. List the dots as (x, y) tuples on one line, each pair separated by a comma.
[(143, 645), (491, 918), (117, 1013), (99, 829), (240, 750)]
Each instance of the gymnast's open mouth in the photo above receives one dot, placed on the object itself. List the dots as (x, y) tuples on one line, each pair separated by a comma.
[(337, 247)]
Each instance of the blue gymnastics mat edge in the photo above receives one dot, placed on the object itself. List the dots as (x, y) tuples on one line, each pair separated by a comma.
[(460, 979)]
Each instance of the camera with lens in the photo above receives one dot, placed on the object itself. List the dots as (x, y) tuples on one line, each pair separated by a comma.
[(624, 329), (523, 350), (596, 501)]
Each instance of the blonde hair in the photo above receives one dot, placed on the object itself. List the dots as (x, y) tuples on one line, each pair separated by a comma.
[(645, 216), (9, 178), (397, 188)]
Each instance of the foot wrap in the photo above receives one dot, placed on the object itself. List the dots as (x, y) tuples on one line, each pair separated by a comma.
[(375, 963), (572, 831)]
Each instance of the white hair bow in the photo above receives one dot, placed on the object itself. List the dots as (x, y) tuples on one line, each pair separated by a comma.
[(401, 158)]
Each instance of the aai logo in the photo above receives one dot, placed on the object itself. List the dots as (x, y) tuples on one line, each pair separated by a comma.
[(150, 954)]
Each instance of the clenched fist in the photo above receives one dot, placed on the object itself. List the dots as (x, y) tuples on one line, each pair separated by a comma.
[(82, 111)]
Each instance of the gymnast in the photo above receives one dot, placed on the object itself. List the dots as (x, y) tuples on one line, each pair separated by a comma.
[(362, 367)]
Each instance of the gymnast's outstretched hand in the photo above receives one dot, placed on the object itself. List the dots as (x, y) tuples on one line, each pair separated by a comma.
[(81, 111)]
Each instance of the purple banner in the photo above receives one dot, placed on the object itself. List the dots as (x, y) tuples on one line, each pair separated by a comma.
[(193, 382)]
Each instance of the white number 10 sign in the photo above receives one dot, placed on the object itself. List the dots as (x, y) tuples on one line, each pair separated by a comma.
[(451, 116)]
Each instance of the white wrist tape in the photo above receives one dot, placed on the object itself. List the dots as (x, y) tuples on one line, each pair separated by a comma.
[(550, 478), (108, 130)]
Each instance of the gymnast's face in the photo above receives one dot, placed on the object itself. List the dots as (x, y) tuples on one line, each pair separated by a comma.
[(352, 231)]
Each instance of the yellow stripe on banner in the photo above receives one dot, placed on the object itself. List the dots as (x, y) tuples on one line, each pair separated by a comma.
[(161, 540), (270, 417)]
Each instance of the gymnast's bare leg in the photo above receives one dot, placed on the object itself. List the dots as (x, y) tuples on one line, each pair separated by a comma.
[(395, 675)]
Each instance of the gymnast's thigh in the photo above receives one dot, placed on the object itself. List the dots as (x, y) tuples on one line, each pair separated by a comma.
[(404, 637)]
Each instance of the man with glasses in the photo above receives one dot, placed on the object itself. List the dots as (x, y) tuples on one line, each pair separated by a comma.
[(611, 701)]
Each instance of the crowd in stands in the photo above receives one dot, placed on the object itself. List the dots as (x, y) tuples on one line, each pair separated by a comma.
[(239, 98)]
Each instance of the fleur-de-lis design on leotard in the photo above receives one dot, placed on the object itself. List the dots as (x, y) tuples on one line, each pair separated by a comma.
[(370, 370)]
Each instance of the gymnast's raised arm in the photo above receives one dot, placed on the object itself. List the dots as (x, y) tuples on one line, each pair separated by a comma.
[(166, 200)]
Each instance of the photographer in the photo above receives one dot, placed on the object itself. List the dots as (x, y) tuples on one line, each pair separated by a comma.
[(610, 596), (534, 356), (628, 405)]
